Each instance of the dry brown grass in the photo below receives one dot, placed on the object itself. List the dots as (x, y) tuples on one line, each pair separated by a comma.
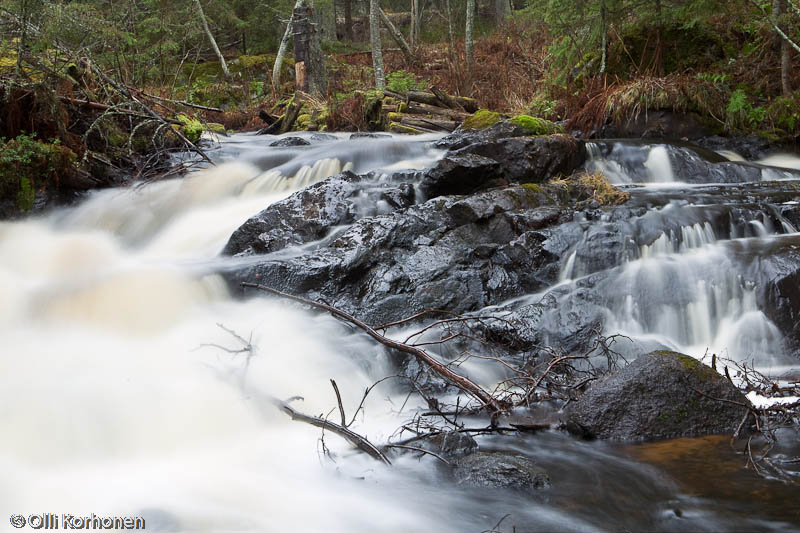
[(625, 101)]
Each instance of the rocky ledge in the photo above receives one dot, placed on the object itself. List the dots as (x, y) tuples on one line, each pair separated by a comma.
[(503, 216)]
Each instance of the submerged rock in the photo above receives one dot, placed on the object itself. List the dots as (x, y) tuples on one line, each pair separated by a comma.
[(660, 395), (290, 141), (500, 470), (451, 444)]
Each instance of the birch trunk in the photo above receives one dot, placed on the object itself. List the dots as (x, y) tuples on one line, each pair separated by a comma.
[(276, 68), (452, 37), (603, 37), (468, 44), (375, 40), (778, 10), (211, 39)]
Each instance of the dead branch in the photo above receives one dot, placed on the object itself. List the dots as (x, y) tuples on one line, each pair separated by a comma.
[(421, 450), (339, 401), (462, 382), (351, 436), (178, 102)]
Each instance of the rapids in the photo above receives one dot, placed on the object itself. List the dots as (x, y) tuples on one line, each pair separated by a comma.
[(123, 393)]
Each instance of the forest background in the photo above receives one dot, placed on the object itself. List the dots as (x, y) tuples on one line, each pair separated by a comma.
[(81, 82)]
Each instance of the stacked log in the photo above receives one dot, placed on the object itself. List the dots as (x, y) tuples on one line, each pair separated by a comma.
[(425, 112)]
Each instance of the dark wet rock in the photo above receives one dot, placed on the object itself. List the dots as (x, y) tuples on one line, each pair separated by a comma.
[(491, 164), (500, 470), (311, 213), (660, 395), (688, 163), (531, 159), (750, 147), (460, 174), (423, 380), (368, 135), (451, 444), (455, 253), (775, 267), (290, 141), (657, 124), (500, 130)]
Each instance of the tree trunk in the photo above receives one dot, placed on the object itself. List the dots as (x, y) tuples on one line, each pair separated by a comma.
[(452, 37), (325, 18), (276, 69), (412, 37), (309, 65), (375, 41), (211, 39), (603, 37), (348, 20), (501, 11), (468, 44), (398, 38), (778, 10), (23, 38)]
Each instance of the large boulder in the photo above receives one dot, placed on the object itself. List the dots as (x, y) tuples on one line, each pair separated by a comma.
[(487, 164), (460, 174), (660, 395), (532, 159)]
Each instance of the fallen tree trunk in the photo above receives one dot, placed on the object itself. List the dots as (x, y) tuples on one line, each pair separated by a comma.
[(398, 38), (466, 104), (441, 125), (425, 109)]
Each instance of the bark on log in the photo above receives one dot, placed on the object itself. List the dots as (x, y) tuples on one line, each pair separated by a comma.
[(468, 104), (415, 108), (446, 99), (441, 125)]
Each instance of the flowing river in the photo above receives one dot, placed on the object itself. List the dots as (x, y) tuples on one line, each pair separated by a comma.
[(125, 392)]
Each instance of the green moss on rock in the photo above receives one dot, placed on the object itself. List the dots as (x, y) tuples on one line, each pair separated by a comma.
[(537, 126), (215, 127), (191, 127), (481, 119), (534, 187)]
